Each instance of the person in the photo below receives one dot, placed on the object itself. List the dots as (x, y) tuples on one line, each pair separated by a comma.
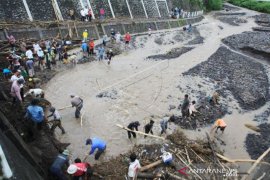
[(82, 15), (71, 14), (185, 106), (219, 124), (15, 91), (101, 51), (35, 113), (35, 93), (80, 170), (134, 166), (17, 75), (215, 98), (12, 41), (77, 102), (48, 45), (40, 54), (91, 47), (113, 35), (23, 46), (148, 127), (189, 28), (127, 38), (36, 47), (58, 165), (34, 83), (30, 67), (16, 61), (149, 31), (48, 59), (104, 40), (96, 143), (86, 13), (56, 120), (118, 37), (133, 126), (164, 125), (109, 56), (90, 15), (102, 13), (29, 54), (6, 72), (84, 48), (85, 35), (192, 109)]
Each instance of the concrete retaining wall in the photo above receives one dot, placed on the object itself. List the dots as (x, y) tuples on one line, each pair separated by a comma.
[(97, 31)]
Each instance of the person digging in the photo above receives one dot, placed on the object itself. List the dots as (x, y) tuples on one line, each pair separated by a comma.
[(219, 124), (56, 122), (77, 102)]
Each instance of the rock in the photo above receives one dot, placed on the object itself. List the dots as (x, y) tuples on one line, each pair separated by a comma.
[(171, 107)]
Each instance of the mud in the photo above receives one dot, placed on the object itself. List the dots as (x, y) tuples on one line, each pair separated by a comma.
[(232, 20), (112, 94), (172, 54), (246, 79), (262, 19)]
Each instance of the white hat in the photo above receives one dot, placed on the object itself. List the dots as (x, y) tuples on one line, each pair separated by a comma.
[(65, 152), (72, 169)]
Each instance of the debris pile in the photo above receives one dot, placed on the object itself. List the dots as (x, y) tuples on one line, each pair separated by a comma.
[(112, 95), (187, 153), (174, 53)]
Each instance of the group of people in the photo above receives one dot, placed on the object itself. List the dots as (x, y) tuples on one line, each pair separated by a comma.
[(176, 12), (87, 14)]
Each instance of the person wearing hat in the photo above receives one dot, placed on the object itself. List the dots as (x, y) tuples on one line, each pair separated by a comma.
[(133, 126), (148, 127), (77, 102), (35, 113), (56, 120), (80, 170), (96, 143), (85, 35), (16, 91), (58, 165), (34, 83)]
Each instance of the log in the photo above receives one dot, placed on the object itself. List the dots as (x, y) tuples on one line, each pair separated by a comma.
[(187, 156), (255, 164), (175, 177), (64, 108), (252, 127), (145, 175), (238, 160), (82, 118), (139, 132), (197, 155), (144, 168)]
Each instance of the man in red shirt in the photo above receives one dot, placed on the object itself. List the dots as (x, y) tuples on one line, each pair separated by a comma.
[(79, 169), (127, 38)]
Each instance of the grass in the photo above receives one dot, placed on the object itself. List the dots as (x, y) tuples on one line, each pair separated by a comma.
[(253, 5)]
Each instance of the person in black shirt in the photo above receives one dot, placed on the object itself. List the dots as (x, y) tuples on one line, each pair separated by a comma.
[(148, 128), (132, 126)]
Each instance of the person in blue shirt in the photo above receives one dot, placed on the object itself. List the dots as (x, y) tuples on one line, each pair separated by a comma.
[(96, 143), (35, 113), (58, 164), (84, 49), (101, 52)]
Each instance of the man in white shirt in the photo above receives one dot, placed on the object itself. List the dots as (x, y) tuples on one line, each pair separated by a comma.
[(29, 54), (192, 108), (56, 120), (82, 12), (36, 47), (134, 166)]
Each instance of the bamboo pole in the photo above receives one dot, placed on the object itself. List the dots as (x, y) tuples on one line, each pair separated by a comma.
[(139, 132), (255, 164), (144, 168), (64, 108), (238, 160)]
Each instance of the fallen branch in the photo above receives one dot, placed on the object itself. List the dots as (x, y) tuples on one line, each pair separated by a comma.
[(197, 155), (255, 164), (175, 177), (238, 160), (187, 156), (144, 168), (139, 132), (252, 127), (64, 108)]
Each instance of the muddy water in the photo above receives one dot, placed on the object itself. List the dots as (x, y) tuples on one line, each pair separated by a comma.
[(142, 90)]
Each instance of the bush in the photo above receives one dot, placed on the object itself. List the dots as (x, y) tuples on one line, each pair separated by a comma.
[(214, 5), (253, 4)]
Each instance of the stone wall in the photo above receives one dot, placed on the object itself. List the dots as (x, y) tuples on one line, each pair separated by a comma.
[(97, 31), (41, 10), (98, 4), (136, 8), (151, 8), (120, 8), (12, 10)]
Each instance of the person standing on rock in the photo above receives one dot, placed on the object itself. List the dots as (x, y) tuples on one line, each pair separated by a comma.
[(109, 56), (192, 109), (85, 35), (77, 102), (58, 165), (148, 127), (219, 124), (84, 49), (96, 143), (185, 107), (215, 98), (127, 39), (56, 120), (91, 47), (133, 126), (101, 52), (102, 13), (30, 67), (164, 125)]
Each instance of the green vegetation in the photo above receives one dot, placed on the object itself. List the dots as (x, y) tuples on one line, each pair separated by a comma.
[(253, 4), (213, 4)]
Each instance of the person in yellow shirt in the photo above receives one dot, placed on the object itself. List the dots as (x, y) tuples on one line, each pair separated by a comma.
[(219, 124), (85, 35)]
